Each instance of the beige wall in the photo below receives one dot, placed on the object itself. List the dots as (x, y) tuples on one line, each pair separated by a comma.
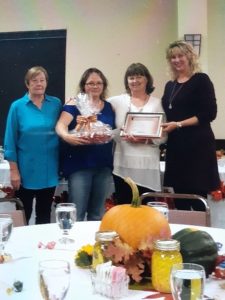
[(208, 18), (216, 59), (111, 34), (108, 34)]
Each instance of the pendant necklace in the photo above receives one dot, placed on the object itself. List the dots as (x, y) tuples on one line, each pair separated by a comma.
[(174, 93), (140, 108)]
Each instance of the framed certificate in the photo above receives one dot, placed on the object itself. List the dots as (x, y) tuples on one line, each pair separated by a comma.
[(146, 125)]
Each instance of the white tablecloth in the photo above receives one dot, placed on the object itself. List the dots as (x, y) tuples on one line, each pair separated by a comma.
[(24, 243)]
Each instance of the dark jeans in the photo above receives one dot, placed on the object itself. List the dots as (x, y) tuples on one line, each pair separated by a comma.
[(44, 199), (123, 192)]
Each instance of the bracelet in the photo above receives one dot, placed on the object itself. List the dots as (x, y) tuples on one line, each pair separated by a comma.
[(179, 125)]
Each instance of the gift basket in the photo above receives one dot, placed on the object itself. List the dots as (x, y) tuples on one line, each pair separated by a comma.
[(88, 126)]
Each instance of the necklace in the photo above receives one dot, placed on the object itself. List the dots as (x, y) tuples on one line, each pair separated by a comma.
[(138, 108), (174, 94)]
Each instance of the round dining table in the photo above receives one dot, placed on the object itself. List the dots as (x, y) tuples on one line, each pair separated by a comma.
[(27, 246)]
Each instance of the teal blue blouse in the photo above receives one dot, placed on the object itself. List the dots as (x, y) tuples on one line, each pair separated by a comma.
[(31, 141)]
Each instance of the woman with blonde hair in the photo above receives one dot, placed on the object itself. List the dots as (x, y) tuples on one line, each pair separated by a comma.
[(190, 105)]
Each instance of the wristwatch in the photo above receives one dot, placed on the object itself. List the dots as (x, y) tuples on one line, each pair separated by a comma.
[(179, 125)]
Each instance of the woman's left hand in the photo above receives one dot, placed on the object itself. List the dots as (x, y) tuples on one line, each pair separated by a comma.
[(100, 139)]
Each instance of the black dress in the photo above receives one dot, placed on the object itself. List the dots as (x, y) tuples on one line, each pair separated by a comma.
[(191, 164)]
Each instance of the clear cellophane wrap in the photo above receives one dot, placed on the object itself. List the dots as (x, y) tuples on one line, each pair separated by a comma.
[(88, 125)]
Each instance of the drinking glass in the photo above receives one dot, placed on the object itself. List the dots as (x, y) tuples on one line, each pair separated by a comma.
[(54, 279), (160, 206), (65, 217), (6, 225), (187, 281)]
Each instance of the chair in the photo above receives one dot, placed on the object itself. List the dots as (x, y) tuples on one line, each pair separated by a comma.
[(16, 210), (189, 217)]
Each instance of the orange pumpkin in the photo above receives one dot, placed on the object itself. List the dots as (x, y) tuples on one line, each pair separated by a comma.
[(137, 225)]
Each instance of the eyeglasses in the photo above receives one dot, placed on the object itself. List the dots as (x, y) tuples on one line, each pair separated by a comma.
[(92, 84)]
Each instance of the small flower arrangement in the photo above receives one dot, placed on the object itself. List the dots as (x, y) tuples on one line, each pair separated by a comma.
[(83, 256), (136, 263)]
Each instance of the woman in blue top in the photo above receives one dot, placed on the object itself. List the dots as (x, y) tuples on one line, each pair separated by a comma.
[(87, 166), (31, 145)]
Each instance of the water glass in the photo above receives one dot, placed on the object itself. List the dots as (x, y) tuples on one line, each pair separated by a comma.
[(54, 279), (65, 217), (160, 206), (187, 281)]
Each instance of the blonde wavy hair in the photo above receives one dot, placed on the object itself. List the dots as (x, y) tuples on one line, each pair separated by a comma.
[(181, 47)]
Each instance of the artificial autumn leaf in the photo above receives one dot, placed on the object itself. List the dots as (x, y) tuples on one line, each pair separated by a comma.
[(135, 267), (146, 244), (147, 253), (118, 251)]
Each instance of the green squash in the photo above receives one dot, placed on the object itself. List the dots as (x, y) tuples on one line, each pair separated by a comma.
[(197, 246)]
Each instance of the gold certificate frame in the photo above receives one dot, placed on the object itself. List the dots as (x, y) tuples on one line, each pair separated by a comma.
[(146, 125)]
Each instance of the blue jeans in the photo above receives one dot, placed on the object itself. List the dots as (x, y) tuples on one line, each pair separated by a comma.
[(88, 189)]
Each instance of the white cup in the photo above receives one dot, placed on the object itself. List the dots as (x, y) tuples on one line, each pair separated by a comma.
[(160, 206)]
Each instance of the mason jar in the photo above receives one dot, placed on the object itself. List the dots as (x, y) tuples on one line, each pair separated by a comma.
[(166, 253), (102, 240)]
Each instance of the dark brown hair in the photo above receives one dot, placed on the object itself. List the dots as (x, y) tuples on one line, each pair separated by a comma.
[(139, 69), (84, 79)]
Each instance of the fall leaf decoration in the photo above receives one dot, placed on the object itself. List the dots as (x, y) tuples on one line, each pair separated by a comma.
[(134, 262), (118, 251), (137, 226), (135, 267)]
